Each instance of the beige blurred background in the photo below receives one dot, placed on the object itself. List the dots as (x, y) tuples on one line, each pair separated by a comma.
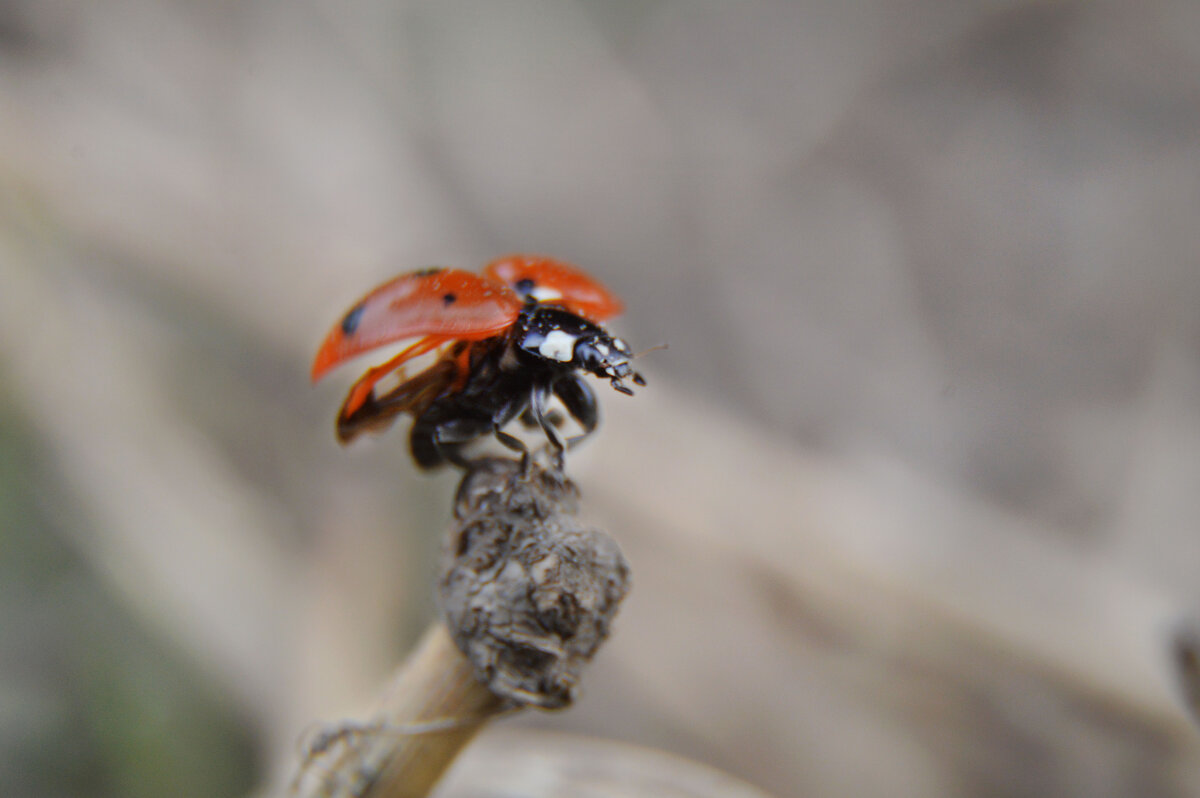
[(910, 500)]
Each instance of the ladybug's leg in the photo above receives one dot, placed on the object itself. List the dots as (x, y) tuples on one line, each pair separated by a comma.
[(440, 434), (424, 446), (511, 441), (436, 439), (539, 396), (552, 415), (579, 400), (517, 406)]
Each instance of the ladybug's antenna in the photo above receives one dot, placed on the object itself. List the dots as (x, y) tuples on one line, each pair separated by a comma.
[(654, 348)]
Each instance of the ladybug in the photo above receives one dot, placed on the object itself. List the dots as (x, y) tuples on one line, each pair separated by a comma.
[(526, 329)]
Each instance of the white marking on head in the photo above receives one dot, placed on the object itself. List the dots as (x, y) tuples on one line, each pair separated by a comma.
[(544, 293), (558, 345), (602, 348), (621, 346)]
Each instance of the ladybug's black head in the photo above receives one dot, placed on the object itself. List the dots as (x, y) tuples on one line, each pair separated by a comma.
[(556, 336)]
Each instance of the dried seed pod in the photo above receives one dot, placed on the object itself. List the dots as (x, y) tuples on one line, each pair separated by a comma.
[(527, 591)]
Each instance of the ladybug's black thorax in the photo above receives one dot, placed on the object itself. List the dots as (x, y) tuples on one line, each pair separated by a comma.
[(545, 337), (558, 341)]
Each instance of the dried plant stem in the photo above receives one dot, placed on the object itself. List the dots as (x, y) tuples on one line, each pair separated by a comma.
[(529, 593), (428, 712)]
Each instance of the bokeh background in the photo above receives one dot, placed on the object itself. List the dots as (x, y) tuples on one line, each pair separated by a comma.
[(911, 500)]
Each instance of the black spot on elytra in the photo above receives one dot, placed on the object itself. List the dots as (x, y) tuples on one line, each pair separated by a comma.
[(350, 322), (429, 272), (449, 299), (524, 286)]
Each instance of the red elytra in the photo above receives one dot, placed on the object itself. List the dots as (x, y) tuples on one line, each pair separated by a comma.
[(550, 281), (441, 305)]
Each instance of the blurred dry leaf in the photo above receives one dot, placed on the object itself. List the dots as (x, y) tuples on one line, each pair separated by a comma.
[(535, 764)]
